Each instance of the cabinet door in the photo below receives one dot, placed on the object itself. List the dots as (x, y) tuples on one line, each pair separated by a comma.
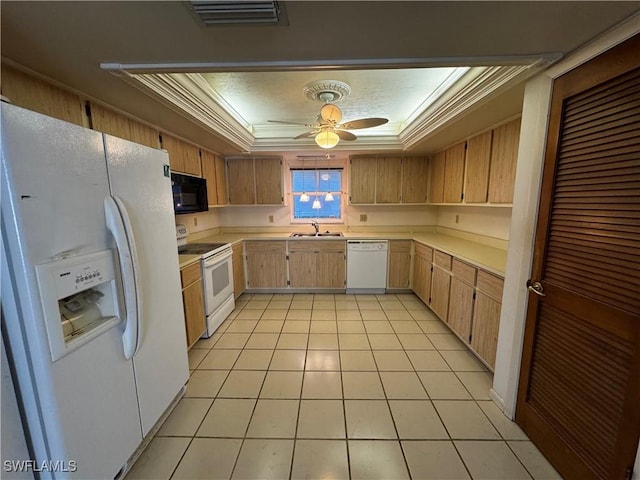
[(331, 270), (184, 157), (436, 190), (194, 317), (422, 271), (486, 322), (266, 264), (388, 176), (461, 309), (362, 180), (303, 267), (504, 156), (454, 173), (399, 264), (414, 180), (116, 124), (237, 261), (209, 174), (240, 175), (34, 94), (478, 156), (268, 174), (440, 292), (221, 180)]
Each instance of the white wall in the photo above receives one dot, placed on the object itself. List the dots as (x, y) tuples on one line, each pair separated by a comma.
[(198, 222), (487, 221)]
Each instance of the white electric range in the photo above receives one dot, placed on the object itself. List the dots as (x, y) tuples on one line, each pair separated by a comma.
[(217, 277)]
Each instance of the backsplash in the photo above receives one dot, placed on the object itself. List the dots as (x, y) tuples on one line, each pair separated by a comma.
[(198, 222), (487, 221)]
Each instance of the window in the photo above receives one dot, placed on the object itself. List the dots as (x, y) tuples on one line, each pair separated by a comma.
[(317, 184)]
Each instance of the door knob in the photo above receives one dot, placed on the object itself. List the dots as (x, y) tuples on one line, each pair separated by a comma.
[(536, 287)]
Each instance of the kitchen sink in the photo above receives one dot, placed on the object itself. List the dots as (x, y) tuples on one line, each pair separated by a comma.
[(319, 234)]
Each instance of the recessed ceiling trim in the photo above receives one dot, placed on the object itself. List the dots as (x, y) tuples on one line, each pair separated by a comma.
[(319, 65), (362, 144), (185, 96)]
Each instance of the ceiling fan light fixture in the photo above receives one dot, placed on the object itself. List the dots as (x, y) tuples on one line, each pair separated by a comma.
[(327, 139), (331, 113)]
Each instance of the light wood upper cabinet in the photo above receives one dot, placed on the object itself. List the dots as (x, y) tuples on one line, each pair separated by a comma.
[(221, 180), (362, 180), (437, 177), (34, 94), (266, 264), (414, 180), (184, 157), (454, 173), (504, 156), (478, 158), (116, 124), (242, 182), (268, 174), (208, 160), (255, 181), (398, 273), (388, 178)]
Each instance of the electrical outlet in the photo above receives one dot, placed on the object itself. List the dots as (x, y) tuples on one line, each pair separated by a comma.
[(270, 218), (363, 217), (195, 221), (457, 218)]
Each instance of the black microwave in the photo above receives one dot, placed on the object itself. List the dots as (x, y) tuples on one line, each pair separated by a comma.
[(189, 194)]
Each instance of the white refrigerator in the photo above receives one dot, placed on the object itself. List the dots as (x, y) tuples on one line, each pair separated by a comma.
[(91, 296)]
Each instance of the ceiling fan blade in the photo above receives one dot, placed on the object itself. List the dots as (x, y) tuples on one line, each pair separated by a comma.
[(310, 133), (363, 123), (288, 123), (344, 135), (330, 113)]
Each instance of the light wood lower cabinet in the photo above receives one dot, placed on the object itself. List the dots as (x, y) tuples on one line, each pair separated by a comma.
[(193, 302), (317, 264), (422, 271), (461, 299), (237, 262), (399, 268), (486, 316), (266, 264), (441, 281)]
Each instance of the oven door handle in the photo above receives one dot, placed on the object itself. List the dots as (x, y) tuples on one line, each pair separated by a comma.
[(217, 259), (119, 225)]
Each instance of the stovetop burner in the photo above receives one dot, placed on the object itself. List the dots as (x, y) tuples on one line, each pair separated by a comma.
[(199, 248)]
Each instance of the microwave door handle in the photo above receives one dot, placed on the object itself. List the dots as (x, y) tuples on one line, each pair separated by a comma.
[(128, 261)]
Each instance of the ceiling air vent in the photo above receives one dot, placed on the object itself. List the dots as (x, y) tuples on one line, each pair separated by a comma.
[(238, 12)]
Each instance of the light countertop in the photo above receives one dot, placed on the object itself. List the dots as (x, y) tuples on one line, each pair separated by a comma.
[(486, 257)]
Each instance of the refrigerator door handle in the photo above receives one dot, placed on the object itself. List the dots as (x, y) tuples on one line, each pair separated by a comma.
[(119, 225)]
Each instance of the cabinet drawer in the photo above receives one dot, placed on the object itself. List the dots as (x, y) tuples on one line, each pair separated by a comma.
[(190, 274), (424, 251), (490, 284), (442, 260), (463, 272), (399, 245), (316, 246), (265, 247)]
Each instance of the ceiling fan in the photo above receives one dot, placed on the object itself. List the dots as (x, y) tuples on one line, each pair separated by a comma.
[(327, 129)]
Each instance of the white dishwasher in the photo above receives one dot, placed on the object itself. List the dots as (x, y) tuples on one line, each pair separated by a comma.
[(367, 266)]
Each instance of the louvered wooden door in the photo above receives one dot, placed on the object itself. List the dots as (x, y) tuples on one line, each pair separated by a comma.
[(579, 392)]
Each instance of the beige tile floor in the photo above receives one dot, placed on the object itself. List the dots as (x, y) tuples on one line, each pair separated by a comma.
[(317, 386)]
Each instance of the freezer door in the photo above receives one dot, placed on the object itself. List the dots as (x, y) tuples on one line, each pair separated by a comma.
[(81, 407), (139, 177)]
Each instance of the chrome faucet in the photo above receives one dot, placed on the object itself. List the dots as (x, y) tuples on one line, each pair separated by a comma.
[(316, 225)]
